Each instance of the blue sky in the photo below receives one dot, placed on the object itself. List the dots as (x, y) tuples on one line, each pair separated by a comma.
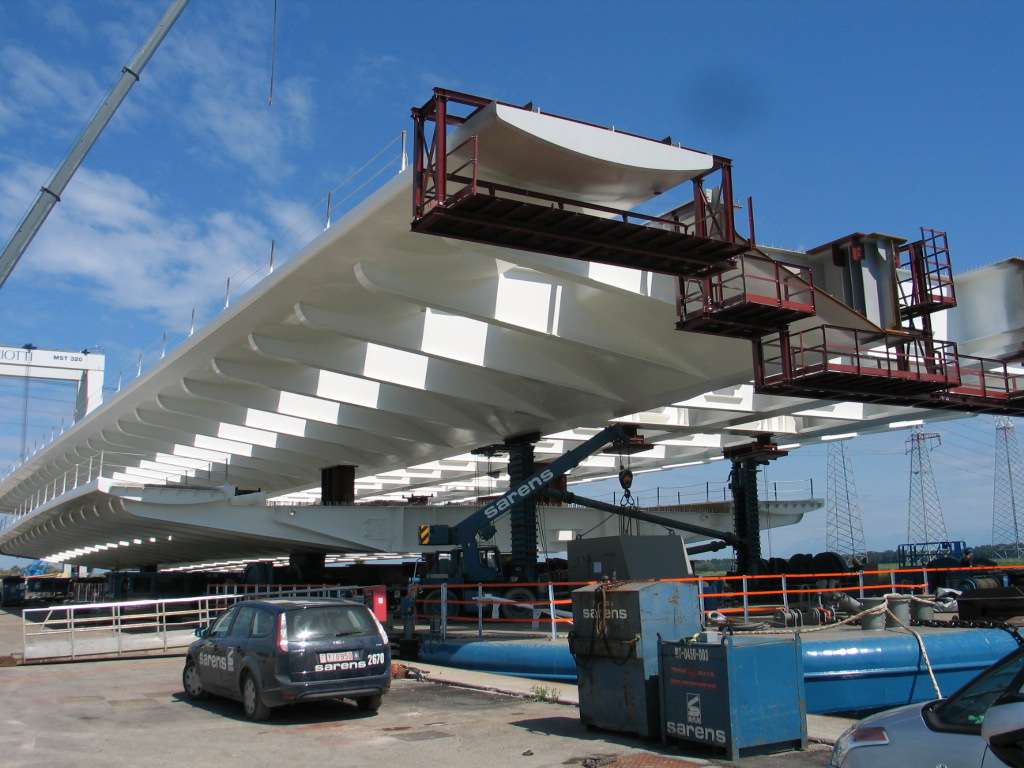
[(840, 117)]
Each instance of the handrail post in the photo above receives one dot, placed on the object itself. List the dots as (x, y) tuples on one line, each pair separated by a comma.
[(700, 601), (479, 610), (746, 600), (551, 607), (441, 152), (161, 613), (785, 592), (444, 611)]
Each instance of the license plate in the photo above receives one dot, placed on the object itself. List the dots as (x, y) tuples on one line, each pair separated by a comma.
[(327, 658)]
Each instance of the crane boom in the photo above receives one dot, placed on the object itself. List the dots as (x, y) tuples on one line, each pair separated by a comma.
[(50, 194), (481, 522)]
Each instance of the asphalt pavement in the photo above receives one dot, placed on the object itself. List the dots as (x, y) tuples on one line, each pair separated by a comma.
[(133, 712)]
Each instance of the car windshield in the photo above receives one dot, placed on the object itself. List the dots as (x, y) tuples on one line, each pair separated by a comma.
[(965, 709), (328, 622)]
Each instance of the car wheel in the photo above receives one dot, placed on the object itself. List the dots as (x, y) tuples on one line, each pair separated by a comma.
[(252, 701), (369, 703), (520, 595), (193, 685)]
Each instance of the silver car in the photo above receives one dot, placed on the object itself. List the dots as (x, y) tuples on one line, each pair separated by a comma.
[(944, 732)]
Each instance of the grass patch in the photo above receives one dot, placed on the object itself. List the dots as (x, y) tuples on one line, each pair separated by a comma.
[(542, 693)]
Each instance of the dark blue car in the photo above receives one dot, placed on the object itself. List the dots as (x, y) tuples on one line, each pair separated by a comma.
[(268, 653)]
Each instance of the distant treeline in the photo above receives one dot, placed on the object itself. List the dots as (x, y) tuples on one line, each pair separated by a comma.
[(885, 557)]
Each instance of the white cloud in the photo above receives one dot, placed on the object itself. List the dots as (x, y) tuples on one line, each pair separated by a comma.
[(226, 79), (34, 87), (372, 73), (64, 19), (108, 238)]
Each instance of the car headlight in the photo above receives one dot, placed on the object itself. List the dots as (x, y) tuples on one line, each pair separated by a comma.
[(858, 736)]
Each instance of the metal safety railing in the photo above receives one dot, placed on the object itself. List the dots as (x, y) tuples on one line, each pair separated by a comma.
[(746, 598), (115, 629), (925, 275), (851, 360), (140, 627), (484, 604), (753, 280), (125, 468), (256, 591), (985, 380)]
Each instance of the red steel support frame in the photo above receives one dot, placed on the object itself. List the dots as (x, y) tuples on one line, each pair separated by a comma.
[(926, 260), (430, 158), (430, 161), (725, 222), (712, 224), (931, 276)]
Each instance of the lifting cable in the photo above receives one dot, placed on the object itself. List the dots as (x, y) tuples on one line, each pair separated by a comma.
[(273, 55)]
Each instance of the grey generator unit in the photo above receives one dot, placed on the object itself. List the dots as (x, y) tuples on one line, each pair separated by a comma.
[(615, 645), (619, 558)]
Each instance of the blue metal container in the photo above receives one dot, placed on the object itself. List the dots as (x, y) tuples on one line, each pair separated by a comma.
[(743, 694), (615, 642)]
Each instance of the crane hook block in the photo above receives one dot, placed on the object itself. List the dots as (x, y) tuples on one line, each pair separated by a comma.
[(626, 478)]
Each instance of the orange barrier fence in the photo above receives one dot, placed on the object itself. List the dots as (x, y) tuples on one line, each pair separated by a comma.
[(752, 595)]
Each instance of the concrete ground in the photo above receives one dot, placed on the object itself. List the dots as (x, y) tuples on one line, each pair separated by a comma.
[(131, 712), (820, 728)]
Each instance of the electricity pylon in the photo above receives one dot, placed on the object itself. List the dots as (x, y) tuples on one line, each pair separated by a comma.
[(924, 514), (1006, 491), (844, 531)]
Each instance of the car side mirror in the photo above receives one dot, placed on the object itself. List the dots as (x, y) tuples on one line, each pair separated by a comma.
[(202, 629), (1003, 731)]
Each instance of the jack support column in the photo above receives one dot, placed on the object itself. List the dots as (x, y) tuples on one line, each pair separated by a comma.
[(743, 483), (338, 485), (523, 516)]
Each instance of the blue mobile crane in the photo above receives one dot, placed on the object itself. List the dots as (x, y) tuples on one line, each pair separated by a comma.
[(474, 563)]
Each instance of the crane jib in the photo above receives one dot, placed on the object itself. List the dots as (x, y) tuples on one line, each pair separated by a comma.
[(615, 433), (518, 494)]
